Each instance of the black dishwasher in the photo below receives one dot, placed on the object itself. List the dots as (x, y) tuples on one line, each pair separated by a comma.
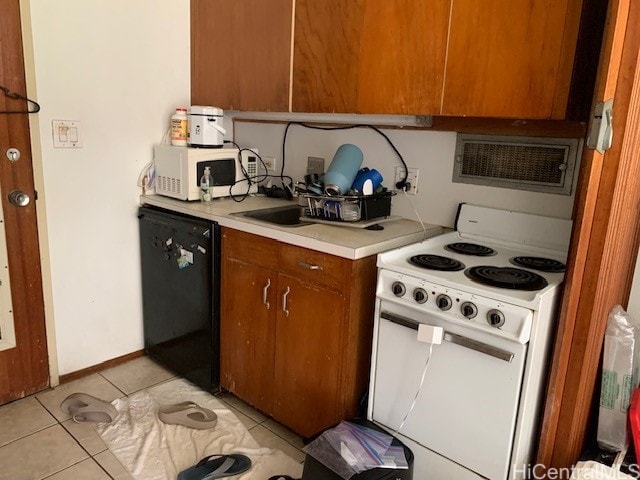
[(180, 257)]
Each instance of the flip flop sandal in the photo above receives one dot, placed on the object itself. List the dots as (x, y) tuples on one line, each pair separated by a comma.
[(188, 414), (86, 408), (283, 477), (217, 466)]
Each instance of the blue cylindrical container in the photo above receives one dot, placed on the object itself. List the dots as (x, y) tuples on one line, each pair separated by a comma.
[(342, 170), (365, 174)]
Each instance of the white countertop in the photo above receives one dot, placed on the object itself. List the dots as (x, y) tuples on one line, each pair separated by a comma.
[(347, 242)]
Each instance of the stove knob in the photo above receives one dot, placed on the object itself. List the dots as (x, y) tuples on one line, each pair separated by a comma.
[(398, 289), (443, 302), (419, 295), (469, 310), (495, 318)]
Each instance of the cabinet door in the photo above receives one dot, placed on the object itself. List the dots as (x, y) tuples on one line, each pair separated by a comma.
[(402, 56), (369, 56), (240, 54), (308, 356), (510, 58), (247, 328), (326, 52)]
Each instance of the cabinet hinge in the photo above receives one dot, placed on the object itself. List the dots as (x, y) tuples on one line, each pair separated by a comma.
[(601, 128)]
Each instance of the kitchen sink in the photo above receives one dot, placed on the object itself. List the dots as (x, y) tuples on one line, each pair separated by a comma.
[(285, 216)]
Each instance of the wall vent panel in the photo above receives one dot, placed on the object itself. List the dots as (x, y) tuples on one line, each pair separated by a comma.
[(526, 163)]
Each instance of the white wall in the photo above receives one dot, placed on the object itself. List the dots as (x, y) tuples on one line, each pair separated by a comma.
[(120, 68), (432, 152)]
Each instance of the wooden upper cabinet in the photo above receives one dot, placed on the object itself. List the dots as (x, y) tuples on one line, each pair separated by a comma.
[(402, 56), (477, 58), (241, 53), (326, 52), (510, 58), (369, 56)]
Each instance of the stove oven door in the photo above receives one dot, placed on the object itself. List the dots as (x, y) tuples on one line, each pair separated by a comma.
[(466, 410)]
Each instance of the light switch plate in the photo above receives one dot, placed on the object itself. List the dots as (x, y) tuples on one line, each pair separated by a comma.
[(66, 134)]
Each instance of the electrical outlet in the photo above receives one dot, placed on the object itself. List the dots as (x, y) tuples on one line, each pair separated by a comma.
[(270, 163), (412, 178)]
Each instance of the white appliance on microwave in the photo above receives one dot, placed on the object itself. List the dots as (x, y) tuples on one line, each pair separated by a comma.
[(179, 169)]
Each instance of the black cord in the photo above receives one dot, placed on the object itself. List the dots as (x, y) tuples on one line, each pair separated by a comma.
[(402, 184), (16, 96), (250, 180)]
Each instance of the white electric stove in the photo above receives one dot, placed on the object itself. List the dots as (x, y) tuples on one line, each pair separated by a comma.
[(493, 286)]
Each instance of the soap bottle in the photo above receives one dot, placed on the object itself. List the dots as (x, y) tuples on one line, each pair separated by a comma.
[(205, 185)]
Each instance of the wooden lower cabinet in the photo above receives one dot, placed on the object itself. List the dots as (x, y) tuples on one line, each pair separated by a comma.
[(296, 328), (308, 356), (248, 328)]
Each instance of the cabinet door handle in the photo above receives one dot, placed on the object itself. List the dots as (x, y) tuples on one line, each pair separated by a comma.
[(284, 302), (310, 266), (264, 293)]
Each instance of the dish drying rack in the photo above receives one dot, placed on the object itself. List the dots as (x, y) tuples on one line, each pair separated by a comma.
[(348, 208)]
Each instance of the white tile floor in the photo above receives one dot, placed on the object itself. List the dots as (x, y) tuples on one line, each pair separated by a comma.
[(38, 441)]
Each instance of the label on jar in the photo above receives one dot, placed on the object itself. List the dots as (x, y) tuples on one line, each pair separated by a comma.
[(179, 131)]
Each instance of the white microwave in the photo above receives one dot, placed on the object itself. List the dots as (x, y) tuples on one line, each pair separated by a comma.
[(179, 169)]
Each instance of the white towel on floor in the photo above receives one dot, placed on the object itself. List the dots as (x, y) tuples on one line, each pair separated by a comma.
[(152, 450)]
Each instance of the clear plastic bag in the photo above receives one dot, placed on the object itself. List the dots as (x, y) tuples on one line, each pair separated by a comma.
[(349, 448), (619, 378)]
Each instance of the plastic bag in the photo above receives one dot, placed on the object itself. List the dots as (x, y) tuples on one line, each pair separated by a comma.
[(619, 378), (349, 448)]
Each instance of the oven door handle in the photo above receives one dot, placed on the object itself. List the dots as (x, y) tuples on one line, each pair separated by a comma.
[(453, 338)]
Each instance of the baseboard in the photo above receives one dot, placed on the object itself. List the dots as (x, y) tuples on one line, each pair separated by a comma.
[(114, 362)]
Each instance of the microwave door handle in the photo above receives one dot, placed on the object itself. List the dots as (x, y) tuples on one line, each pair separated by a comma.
[(453, 338)]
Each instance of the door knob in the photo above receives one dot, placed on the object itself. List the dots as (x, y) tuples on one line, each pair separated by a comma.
[(19, 198)]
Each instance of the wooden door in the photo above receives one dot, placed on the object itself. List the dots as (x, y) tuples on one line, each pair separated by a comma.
[(403, 50), (247, 330), (24, 368), (510, 59), (240, 54), (603, 249), (308, 356)]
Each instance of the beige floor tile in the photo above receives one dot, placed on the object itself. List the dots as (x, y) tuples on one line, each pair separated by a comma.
[(266, 438), (242, 406), (282, 431), (22, 418), (86, 435), (85, 470), (248, 422), (93, 385), (137, 375), (114, 468), (39, 455)]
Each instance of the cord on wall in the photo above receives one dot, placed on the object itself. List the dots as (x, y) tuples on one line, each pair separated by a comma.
[(424, 228)]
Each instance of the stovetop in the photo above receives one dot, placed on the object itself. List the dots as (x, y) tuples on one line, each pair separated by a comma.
[(518, 267)]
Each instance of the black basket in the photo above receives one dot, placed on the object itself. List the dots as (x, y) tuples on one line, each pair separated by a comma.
[(349, 208)]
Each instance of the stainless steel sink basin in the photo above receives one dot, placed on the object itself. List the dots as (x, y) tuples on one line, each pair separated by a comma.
[(285, 216)]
